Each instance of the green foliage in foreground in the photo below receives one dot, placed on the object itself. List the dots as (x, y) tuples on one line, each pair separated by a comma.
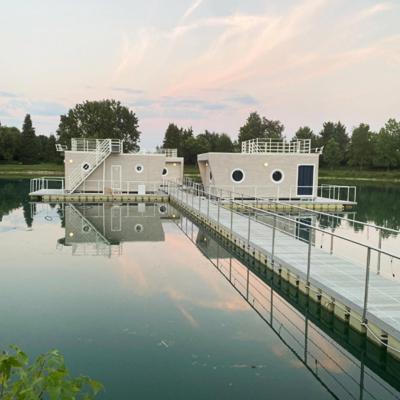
[(46, 378)]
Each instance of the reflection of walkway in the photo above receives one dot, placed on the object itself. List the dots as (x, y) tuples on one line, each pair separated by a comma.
[(342, 281), (343, 375)]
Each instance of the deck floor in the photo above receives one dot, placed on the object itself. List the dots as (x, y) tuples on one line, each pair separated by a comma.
[(338, 277)]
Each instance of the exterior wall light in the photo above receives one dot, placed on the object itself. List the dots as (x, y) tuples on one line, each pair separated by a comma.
[(71, 234), (174, 164), (265, 164), (71, 160)]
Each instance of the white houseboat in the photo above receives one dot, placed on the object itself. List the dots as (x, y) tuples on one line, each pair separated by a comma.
[(265, 168), (101, 167)]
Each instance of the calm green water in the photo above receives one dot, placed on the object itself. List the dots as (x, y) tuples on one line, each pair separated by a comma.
[(145, 301)]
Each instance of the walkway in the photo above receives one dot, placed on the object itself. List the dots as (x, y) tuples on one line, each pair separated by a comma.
[(337, 277)]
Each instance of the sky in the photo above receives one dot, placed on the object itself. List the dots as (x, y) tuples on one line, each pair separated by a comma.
[(202, 63)]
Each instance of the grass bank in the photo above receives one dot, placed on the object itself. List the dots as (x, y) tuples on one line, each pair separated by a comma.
[(360, 175), (30, 171)]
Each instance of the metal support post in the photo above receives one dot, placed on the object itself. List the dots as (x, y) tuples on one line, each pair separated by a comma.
[(364, 316)]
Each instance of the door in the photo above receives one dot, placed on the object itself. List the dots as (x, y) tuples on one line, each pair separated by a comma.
[(305, 180), (116, 178)]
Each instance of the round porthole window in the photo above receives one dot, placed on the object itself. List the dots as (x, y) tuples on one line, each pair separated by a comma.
[(139, 168), (277, 176), (164, 172), (237, 175), (85, 166), (139, 228), (162, 209), (86, 229)]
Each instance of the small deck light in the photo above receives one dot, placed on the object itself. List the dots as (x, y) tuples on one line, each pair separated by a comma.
[(265, 164), (71, 234)]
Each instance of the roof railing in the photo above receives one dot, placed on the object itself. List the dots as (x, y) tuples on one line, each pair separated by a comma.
[(266, 146)]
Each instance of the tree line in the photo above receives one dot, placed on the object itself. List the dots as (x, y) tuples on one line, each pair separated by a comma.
[(360, 148), (25, 146)]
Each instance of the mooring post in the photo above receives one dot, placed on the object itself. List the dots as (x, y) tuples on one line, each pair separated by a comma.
[(366, 285), (379, 253)]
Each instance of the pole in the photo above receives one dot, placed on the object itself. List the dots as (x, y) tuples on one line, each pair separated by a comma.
[(309, 259), (248, 229), (273, 243), (379, 253), (366, 285)]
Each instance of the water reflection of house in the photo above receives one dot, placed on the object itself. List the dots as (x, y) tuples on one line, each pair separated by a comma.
[(102, 228)]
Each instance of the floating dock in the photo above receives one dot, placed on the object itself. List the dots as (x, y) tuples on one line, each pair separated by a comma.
[(59, 195), (367, 301)]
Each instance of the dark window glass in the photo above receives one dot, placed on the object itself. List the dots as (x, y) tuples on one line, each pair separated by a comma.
[(210, 175), (86, 166), (237, 175), (163, 209), (165, 171), (277, 176)]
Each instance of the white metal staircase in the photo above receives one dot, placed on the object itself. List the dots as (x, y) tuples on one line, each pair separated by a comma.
[(97, 150)]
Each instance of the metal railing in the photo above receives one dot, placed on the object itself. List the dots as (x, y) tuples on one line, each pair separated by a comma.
[(99, 186), (338, 193), (266, 146), (37, 184), (297, 332), (200, 201), (92, 145), (168, 152), (121, 187)]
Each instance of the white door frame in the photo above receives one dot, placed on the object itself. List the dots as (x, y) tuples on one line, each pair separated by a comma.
[(314, 191), (116, 179)]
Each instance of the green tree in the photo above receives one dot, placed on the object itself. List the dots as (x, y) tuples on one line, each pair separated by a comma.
[(172, 137), (224, 144), (361, 147), (304, 132), (46, 378), (387, 146), (28, 150), (335, 131), (47, 149), (10, 139), (100, 119), (257, 127), (218, 142), (332, 154)]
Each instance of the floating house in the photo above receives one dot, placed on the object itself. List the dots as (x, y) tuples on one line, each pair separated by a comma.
[(101, 166), (264, 168)]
